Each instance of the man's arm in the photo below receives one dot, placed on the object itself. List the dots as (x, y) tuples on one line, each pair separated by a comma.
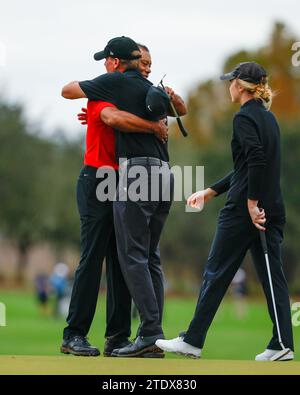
[(127, 122), (103, 87), (72, 91), (178, 103), (222, 185)]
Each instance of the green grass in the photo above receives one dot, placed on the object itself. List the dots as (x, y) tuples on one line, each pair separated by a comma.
[(230, 338)]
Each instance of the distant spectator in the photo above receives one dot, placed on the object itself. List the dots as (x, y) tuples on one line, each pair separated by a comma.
[(239, 293), (42, 290), (59, 283), (238, 285)]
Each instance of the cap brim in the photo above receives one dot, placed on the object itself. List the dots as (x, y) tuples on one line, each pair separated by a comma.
[(99, 55), (228, 76)]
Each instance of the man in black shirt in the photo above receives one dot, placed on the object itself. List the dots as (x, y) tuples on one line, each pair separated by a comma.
[(138, 222)]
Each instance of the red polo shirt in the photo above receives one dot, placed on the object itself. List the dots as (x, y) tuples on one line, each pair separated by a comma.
[(100, 138)]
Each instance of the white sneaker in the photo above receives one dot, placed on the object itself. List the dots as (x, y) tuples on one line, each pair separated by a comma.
[(178, 346), (275, 355)]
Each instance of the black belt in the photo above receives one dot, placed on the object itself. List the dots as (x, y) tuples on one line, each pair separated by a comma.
[(146, 160)]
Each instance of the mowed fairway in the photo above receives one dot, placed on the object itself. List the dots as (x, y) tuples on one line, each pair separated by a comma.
[(124, 366), (30, 342)]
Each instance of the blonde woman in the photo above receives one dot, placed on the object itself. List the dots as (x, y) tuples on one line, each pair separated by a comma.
[(254, 203)]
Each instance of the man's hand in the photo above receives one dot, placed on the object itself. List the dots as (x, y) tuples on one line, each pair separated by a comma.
[(257, 214), (170, 92), (197, 199), (177, 101), (161, 130), (83, 116)]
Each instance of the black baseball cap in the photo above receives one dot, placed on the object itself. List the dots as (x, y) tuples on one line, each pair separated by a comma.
[(246, 71), (157, 102), (121, 48)]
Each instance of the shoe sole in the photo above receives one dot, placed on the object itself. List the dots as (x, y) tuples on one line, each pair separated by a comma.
[(183, 354), (66, 350), (148, 352), (147, 355), (153, 355), (281, 356), (192, 356)]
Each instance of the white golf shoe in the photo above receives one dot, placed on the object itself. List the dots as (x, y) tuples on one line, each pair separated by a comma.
[(275, 355), (178, 346)]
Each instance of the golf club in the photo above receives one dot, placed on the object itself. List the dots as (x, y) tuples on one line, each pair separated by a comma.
[(181, 127), (284, 350)]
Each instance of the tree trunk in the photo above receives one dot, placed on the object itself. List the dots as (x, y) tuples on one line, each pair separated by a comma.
[(22, 263)]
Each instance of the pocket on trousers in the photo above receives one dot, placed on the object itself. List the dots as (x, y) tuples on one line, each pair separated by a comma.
[(89, 186), (86, 188)]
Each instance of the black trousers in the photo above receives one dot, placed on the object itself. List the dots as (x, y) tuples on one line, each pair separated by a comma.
[(138, 226), (97, 240), (235, 235)]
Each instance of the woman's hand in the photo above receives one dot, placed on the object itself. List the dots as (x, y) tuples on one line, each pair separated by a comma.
[(257, 215), (197, 199)]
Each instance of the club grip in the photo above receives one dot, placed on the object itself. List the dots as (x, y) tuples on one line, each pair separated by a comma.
[(181, 127), (263, 240)]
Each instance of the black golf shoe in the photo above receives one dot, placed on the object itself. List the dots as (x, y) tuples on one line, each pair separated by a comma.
[(111, 344), (79, 345), (142, 347)]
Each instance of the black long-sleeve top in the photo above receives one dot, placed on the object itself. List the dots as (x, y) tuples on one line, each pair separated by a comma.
[(255, 149)]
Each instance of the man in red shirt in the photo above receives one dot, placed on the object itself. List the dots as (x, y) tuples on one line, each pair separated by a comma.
[(97, 234)]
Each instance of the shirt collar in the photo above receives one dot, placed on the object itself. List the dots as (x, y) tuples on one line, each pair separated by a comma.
[(132, 71), (252, 102)]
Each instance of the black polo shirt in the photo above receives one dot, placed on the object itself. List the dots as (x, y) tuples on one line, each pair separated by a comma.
[(255, 149), (127, 91)]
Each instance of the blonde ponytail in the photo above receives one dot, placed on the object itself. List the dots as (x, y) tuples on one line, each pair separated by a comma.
[(260, 91)]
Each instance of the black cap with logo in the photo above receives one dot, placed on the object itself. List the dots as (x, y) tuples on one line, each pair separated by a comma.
[(121, 48), (246, 71), (157, 102)]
